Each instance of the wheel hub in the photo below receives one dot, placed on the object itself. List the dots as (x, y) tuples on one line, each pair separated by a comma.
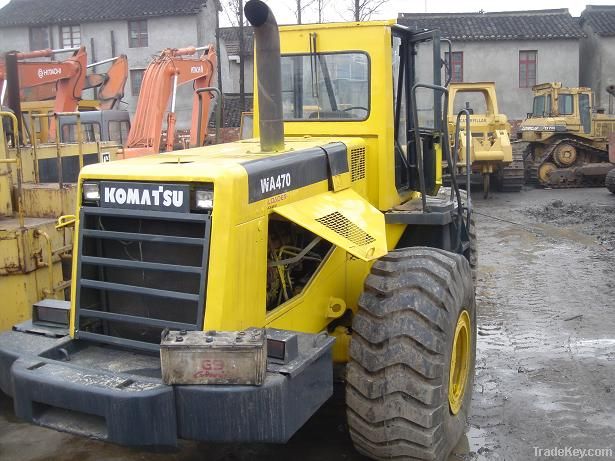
[(545, 171), (565, 155), (460, 362)]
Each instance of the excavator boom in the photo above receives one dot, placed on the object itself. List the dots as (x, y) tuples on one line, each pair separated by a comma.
[(172, 68)]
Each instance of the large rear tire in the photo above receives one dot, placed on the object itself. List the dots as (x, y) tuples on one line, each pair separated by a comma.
[(406, 395)]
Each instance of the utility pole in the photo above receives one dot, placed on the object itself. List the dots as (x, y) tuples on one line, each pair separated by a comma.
[(219, 70), (357, 11), (298, 11), (242, 89)]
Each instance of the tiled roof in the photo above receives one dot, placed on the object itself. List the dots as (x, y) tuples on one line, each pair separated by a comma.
[(601, 18), (29, 12), (510, 25), (230, 37)]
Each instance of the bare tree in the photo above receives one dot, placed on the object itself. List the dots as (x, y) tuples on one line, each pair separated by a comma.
[(321, 5), (301, 7), (362, 10)]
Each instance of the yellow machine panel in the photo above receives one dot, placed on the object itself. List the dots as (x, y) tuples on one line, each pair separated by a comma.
[(344, 219)]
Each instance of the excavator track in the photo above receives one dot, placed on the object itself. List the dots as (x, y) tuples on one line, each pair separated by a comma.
[(512, 176), (589, 169)]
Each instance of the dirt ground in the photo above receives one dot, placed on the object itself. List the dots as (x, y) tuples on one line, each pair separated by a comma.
[(546, 347)]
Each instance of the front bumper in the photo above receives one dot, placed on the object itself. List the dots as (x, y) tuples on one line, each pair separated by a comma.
[(116, 395)]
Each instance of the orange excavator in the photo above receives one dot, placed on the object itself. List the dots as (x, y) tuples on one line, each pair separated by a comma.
[(61, 81), (172, 68), (110, 84)]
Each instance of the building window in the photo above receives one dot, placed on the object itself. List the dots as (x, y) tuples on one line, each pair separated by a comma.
[(70, 36), (527, 69), (456, 66), (137, 34), (39, 38), (136, 78)]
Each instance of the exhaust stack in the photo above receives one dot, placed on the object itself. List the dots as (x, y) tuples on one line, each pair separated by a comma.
[(269, 75)]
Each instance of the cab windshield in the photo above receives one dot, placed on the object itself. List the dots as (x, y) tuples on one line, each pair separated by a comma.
[(542, 105), (565, 104), (325, 86)]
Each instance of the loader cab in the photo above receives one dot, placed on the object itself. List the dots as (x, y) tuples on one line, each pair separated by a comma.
[(356, 80)]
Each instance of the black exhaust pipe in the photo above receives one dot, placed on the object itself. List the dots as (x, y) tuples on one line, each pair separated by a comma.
[(269, 75)]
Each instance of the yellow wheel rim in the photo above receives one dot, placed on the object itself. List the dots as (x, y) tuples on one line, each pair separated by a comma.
[(546, 170), (565, 155), (460, 362)]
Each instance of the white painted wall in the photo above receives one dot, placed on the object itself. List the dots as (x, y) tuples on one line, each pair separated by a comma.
[(498, 61)]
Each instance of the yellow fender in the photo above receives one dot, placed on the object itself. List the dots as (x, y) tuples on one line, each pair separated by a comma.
[(343, 218)]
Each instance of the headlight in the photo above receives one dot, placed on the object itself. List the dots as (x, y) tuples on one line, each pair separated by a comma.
[(204, 199), (91, 192)]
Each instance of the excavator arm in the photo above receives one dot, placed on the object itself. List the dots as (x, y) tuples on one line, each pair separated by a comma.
[(111, 83), (172, 68)]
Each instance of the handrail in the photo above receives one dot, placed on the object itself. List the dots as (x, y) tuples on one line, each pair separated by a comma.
[(417, 135), (58, 115), (219, 104), (17, 161), (49, 264), (50, 252), (453, 168)]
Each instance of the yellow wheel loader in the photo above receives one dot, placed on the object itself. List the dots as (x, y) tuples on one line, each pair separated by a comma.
[(329, 233), (567, 138), (491, 154)]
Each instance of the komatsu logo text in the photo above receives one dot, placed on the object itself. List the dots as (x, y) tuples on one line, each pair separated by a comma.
[(145, 196), (274, 183)]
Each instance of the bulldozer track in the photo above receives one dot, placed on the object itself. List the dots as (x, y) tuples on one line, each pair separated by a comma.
[(532, 167), (513, 175)]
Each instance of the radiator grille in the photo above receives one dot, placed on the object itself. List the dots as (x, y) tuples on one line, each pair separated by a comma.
[(357, 162), (138, 273), (341, 225)]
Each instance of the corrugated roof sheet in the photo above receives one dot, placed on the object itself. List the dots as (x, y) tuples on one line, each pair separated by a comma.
[(601, 18), (510, 25), (32, 12)]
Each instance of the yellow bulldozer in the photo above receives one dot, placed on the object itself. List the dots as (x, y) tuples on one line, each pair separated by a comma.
[(567, 138), (490, 150), (329, 233)]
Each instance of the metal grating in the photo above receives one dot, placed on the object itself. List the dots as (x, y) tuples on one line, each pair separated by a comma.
[(357, 162), (139, 272), (341, 225)]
